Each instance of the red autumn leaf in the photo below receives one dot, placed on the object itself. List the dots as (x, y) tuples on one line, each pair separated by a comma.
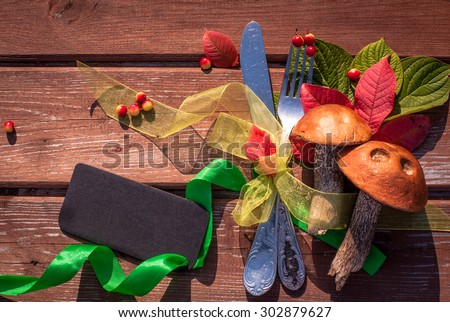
[(259, 144), (375, 93), (315, 95), (302, 150), (408, 131), (219, 48)]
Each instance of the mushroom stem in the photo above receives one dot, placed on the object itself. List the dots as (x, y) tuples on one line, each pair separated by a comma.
[(353, 251), (327, 178)]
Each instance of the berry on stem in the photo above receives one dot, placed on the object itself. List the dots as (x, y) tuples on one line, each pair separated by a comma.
[(309, 39), (205, 63), (297, 41), (134, 110), (140, 97), (147, 105), (353, 74), (9, 126), (310, 51), (121, 110)]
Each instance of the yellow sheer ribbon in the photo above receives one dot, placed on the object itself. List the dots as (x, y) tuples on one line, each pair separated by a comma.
[(230, 133), (163, 120)]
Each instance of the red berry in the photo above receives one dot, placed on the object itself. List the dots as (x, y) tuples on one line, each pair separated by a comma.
[(141, 97), (134, 109), (309, 39), (9, 126), (310, 51), (121, 110), (354, 74), (297, 41), (205, 63), (147, 105)]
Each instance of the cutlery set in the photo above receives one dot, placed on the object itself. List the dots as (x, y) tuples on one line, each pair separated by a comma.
[(275, 246)]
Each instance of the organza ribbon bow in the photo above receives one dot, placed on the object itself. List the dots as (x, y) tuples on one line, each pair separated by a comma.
[(260, 140)]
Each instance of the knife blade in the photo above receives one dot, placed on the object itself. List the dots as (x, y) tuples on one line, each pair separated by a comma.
[(254, 64), (261, 265)]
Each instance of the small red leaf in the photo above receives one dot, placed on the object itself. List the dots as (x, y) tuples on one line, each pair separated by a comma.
[(375, 93), (315, 95), (220, 49), (302, 150), (408, 131), (259, 144)]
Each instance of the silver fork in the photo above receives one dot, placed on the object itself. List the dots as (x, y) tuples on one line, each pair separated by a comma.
[(291, 268), (290, 107)]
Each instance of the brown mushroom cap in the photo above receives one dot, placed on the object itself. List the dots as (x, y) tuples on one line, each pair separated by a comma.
[(386, 172), (332, 124)]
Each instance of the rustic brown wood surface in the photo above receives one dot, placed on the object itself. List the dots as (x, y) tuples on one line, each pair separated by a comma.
[(154, 46), (64, 30)]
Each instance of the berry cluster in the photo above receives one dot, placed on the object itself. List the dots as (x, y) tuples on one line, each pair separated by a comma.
[(308, 41), (142, 103)]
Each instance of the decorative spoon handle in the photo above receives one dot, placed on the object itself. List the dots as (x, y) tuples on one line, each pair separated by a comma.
[(261, 266), (291, 268)]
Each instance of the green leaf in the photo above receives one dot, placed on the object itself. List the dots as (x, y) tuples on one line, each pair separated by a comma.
[(372, 54), (332, 63), (426, 84)]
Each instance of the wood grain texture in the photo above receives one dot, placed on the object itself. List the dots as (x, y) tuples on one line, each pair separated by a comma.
[(58, 126), (154, 46), (62, 30), (417, 268)]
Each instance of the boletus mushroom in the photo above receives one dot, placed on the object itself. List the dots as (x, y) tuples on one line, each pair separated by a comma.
[(329, 126), (386, 174)]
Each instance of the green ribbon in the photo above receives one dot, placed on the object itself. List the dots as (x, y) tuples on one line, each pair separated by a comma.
[(219, 172), (106, 267), (105, 264)]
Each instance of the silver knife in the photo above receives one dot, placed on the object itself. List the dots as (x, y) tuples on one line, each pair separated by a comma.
[(254, 64), (261, 266)]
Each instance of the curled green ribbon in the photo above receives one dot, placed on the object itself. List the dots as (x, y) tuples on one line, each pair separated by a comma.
[(106, 267), (105, 264)]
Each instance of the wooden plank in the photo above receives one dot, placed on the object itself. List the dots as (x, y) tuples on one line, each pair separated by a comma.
[(62, 30), (58, 126), (417, 268)]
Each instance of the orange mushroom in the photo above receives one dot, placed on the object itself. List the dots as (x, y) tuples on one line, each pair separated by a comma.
[(330, 126), (386, 174)]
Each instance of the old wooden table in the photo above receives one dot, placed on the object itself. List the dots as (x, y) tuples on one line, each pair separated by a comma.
[(155, 46)]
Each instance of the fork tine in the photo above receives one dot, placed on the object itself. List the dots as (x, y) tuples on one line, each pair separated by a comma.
[(302, 74), (294, 75), (286, 72)]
